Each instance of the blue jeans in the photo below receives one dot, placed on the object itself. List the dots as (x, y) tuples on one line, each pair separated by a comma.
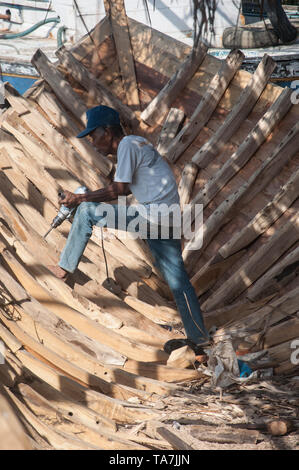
[(167, 255)]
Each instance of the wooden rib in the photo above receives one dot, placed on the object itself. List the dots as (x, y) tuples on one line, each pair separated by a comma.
[(121, 34), (258, 180), (257, 320), (22, 161), (206, 106), (97, 35), (164, 99), (12, 435), (60, 86), (70, 422), (118, 410), (81, 322), (65, 124), (13, 124), (164, 54), (116, 249), (57, 439), (247, 149), (70, 369), (139, 265), (170, 129), (209, 274), (265, 257), (278, 334), (228, 314), (53, 138), (162, 372), (144, 291), (54, 141), (102, 95), (264, 218), (102, 296), (229, 253), (186, 184), (240, 111), (270, 282), (65, 94), (280, 355)]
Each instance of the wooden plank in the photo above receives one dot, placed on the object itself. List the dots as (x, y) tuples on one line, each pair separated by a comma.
[(101, 296), (239, 113), (58, 440), (170, 129), (66, 125), (128, 259), (81, 322), (268, 311), (17, 127), (278, 334), (56, 143), (270, 282), (280, 353), (60, 86), (162, 372), (46, 408), (12, 434), (87, 353), (121, 34), (247, 149), (70, 369), (264, 218), (102, 94), (207, 105), (179, 440), (65, 405), (88, 42), (29, 166), (211, 272), (164, 99), (265, 257), (54, 140), (186, 183), (258, 180), (118, 410)]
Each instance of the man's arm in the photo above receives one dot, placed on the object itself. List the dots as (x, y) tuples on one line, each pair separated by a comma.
[(109, 193)]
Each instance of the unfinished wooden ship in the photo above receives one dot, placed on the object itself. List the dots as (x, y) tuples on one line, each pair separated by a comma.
[(85, 368)]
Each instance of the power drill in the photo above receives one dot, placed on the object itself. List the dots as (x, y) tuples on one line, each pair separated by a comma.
[(64, 212)]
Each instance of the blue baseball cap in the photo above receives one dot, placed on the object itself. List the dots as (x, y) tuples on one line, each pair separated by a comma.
[(99, 116)]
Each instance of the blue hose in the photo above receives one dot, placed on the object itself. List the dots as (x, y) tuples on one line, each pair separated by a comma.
[(29, 30)]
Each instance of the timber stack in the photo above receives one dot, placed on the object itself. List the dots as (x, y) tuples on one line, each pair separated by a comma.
[(85, 368)]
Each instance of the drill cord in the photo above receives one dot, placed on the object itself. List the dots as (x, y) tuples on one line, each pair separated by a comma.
[(104, 253)]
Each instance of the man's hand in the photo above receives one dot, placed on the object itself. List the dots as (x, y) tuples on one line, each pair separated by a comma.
[(110, 193), (70, 199)]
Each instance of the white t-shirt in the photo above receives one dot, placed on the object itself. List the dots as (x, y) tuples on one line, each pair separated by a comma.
[(150, 178)]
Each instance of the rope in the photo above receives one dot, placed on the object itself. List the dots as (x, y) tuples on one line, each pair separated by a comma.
[(83, 21)]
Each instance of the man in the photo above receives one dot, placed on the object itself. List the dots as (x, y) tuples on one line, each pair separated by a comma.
[(142, 172)]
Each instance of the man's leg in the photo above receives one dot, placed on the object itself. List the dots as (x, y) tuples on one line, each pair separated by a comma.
[(168, 257), (87, 215)]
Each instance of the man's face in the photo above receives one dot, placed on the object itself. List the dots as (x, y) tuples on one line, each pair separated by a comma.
[(102, 140)]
